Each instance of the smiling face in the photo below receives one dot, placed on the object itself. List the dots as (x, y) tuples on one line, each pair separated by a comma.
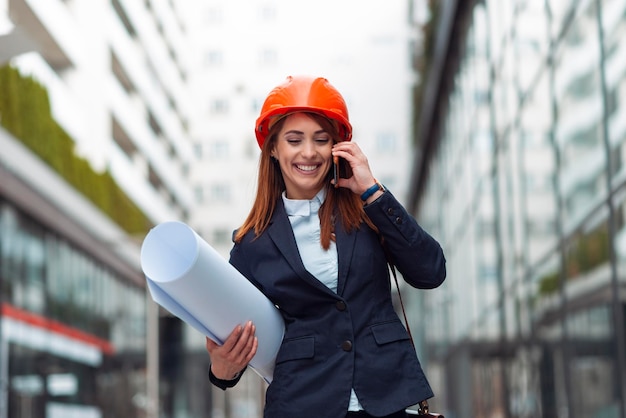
[(303, 150)]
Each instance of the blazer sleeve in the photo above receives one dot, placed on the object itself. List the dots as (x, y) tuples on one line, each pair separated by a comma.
[(416, 254), (225, 384)]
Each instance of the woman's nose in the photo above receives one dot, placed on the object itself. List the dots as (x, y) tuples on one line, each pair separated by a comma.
[(309, 148)]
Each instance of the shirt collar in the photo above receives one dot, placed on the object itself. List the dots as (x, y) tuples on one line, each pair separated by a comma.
[(304, 207)]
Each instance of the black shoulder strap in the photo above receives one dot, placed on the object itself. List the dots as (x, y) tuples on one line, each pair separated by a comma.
[(406, 321)]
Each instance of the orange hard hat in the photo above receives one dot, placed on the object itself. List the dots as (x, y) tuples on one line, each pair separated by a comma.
[(304, 94)]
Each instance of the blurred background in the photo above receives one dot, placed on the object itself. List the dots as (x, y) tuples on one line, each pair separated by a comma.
[(500, 124)]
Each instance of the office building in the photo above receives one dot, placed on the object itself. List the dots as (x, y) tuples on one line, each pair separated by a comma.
[(249, 47), (95, 148), (159, 98), (519, 172)]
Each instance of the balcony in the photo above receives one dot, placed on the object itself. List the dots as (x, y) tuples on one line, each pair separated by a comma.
[(47, 27)]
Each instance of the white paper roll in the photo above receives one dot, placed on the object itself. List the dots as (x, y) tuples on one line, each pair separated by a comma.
[(195, 283)]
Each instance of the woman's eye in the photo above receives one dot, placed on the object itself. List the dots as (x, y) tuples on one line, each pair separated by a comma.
[(293, 139), (322, 139)]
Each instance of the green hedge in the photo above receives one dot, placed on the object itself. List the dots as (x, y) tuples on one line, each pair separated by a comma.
[(25, 112)]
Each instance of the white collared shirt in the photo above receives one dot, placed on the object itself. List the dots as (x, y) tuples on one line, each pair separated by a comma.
[(306, 228)]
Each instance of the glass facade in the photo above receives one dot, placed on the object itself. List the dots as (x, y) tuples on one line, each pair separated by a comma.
[(527, 194), (73, 332)]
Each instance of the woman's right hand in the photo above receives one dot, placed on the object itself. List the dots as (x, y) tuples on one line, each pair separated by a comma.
[(230, 358)]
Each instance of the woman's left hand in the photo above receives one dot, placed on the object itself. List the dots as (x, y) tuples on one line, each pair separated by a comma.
[(362, 177)]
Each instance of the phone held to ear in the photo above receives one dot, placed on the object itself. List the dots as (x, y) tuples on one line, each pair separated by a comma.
[(340, 170)]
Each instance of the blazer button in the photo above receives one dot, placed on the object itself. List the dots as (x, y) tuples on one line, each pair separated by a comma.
[(346, 345), (398, 220), (340, 305)]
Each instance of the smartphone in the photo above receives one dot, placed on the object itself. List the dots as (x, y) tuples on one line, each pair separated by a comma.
[(340, 170)]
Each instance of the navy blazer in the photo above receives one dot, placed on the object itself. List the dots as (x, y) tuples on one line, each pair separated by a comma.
[(350, 339)]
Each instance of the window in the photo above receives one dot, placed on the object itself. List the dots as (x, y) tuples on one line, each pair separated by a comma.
[(121, 14), (219, 106), (255, 105), (214, 58), (386, 142), (219, 150), (268, 57), (221, 237), (487, 273), (612, 101), (538, 182), (197, 150), (122, 139), (583, 86), (199, 194), (251, 149), (267, 13), (154, 124), (215, 15), (120, 74), (541, 227), (220, 192)]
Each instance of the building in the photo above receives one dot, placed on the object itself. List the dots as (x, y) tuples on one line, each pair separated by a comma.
[(104, 86), (249, 47), (519, 172), (74, 318), (160, 99)]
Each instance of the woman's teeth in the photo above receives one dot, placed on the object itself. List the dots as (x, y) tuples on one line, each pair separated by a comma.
[(306, 167)]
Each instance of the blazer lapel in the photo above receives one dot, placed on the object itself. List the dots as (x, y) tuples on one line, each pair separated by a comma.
[(345, 249)]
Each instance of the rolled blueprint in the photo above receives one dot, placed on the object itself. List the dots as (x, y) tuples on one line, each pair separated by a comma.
[(190, 279)]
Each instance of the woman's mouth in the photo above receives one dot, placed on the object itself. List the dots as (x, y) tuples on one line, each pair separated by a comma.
[(306, 168)]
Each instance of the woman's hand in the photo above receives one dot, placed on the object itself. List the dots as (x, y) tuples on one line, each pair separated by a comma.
[(233, 356), (362, 177)]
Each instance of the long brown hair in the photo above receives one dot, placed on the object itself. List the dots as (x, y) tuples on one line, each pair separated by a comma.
[(340, 203)]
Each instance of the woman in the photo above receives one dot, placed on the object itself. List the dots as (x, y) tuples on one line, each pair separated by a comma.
[(318, 249)]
